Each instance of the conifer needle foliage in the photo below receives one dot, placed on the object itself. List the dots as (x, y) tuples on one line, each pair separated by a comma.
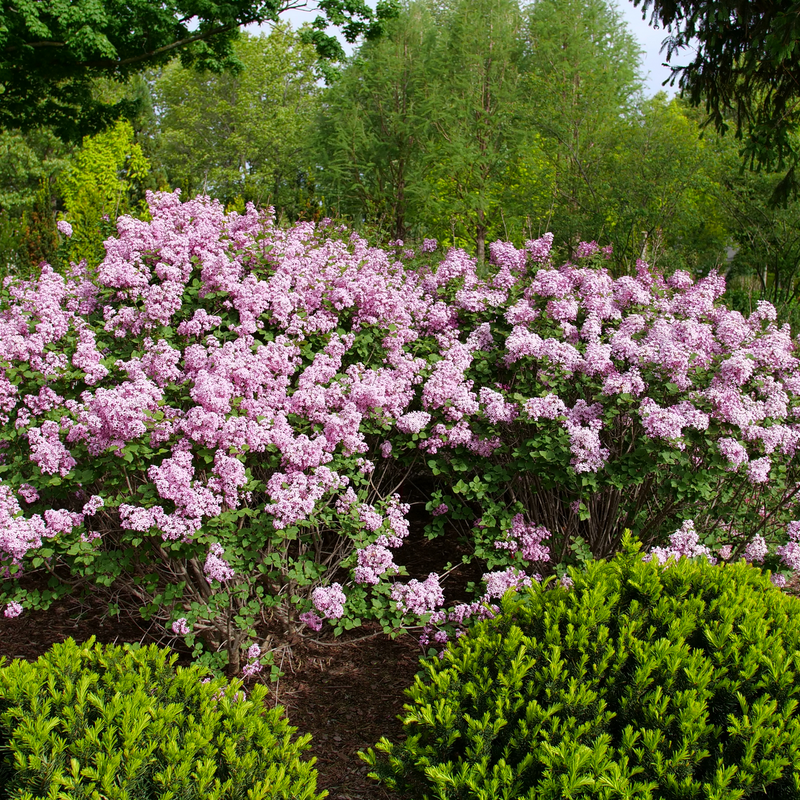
[(642, 680), (87, 721)]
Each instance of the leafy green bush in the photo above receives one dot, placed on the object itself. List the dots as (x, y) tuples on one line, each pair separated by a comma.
[(86, 721), (639, 681)]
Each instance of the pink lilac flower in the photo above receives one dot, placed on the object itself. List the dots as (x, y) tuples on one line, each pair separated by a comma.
[(498, 583), (734, 451), (12, 610), (756, 549), (442, 508), (373, 561), (329, 601), (181, 626), (418, 598), (497, 409), (790, 552), (94, 504), (549, 407), (778, 580), (251, 669), (790, 555), (526, 539), (386, 449), (215, 567), (255, 666), (539, 249), (28, 493), (725, 551), (588, 453), (429, 245), (64, 227), (47, 450), (369, 517), (684, 543), (312, 620), (586, 249), (758, 470)]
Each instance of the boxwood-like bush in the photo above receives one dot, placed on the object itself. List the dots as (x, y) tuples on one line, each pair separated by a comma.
[(122, 723), (640, 681)]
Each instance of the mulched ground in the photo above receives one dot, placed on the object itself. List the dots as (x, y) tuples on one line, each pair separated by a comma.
[(346, 693)]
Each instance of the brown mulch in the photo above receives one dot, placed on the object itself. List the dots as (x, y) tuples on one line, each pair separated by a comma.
[(346, 693)]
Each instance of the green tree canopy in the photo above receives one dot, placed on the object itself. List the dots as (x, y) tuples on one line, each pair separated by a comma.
[(372, 124), (241, 134), (746, 69), (51, 51)]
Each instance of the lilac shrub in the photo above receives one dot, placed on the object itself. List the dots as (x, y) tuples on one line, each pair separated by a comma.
[(202, 423), (219, 422), (583, 405)]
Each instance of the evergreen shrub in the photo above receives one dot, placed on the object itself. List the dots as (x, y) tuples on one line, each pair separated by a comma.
[(641, 680), (87, 721)]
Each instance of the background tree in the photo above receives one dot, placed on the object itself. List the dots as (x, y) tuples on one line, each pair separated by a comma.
[(581, 77), (371, 127), (245, 134), (29, 166), (98, 186), (764, 236), (474, 106), (656, 197), (745, 69), (52, 51)]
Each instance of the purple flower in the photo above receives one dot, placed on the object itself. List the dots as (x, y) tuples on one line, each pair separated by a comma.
[(13, 610), (498, 583), (28, 493), (373, 561), (64, 227), (215, 567), (684, 543), (312, 620), (758, 470), (756, 549), (734, 451), (526, 539), (418, 598), (181, 626), (329, 601)]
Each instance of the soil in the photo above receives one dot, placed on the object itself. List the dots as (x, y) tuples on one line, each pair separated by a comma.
[(345, 692)]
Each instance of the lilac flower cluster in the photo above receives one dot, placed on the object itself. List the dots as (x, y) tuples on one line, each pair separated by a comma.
[(216, 568), (417, 597), (526, 540), (262, 367), (684, 543), (181, 626), (329, 601), (373, 561), (498, 583), (254, 666), (790, 552)]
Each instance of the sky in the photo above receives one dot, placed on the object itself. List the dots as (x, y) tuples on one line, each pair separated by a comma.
[(649, 39)]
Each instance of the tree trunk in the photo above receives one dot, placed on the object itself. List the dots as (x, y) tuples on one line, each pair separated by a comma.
[(480, 237)]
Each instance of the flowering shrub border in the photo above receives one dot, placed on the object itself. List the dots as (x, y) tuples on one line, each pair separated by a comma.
[(221, 418)]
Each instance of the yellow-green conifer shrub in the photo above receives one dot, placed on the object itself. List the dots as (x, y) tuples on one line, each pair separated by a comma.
[(96, 188), (122, 723), (640, 681)]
